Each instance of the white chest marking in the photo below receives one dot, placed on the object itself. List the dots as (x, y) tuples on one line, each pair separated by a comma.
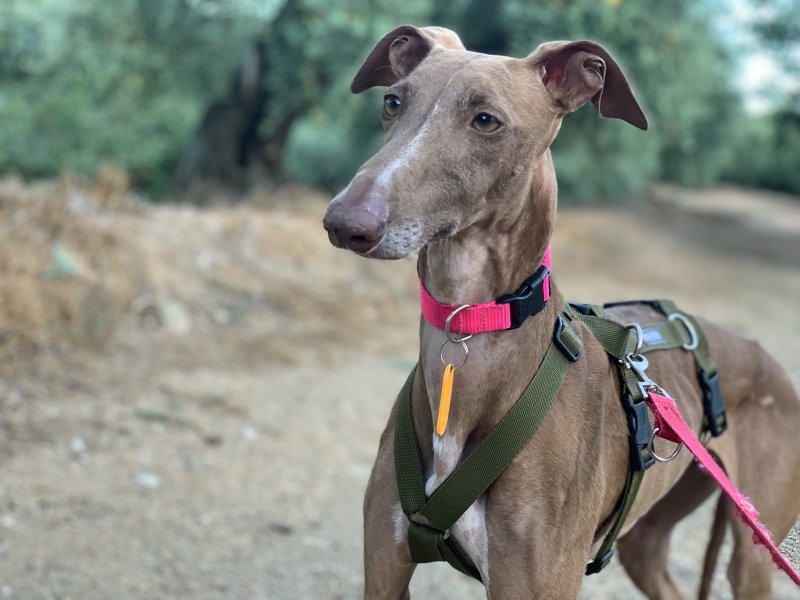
[(470, 529)]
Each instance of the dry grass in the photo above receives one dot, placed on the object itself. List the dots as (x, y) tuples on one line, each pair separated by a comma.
[(80, 259)]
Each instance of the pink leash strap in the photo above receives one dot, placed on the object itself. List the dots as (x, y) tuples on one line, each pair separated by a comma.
[(672, 427), (477, 318)]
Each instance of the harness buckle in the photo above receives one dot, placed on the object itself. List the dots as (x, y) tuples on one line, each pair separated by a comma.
[(598, 564), (564, 337), (424, 541), (640, 432), (713, 403), (528, 300)]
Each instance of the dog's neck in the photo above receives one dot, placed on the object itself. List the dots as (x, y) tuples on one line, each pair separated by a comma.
[(493, 257), (486, 260)]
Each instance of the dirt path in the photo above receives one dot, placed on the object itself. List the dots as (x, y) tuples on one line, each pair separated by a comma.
[(224, 453)]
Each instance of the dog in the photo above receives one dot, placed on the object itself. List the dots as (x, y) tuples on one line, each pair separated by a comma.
[(465, 179)]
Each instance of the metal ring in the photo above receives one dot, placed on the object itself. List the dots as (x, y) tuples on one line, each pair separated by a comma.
[(463, 345), (653, 451), (694, 339), (639, 337), (447, 332)]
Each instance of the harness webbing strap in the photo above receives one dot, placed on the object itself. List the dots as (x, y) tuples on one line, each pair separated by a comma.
[(713, 401), (407, 461), (606, 551), (428, 541), (617, 340), (426, 544), (485, 464), (430, 518)]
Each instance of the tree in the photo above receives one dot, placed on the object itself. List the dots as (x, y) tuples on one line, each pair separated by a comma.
[(87, 81)]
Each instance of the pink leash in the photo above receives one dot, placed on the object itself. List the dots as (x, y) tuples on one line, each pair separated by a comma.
[(476, 318), (672, 427)]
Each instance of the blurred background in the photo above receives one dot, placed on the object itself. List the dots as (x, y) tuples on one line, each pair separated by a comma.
[(193, 381)]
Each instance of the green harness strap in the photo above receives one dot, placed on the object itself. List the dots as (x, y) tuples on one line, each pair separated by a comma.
[(430, 518), (618, 342), (682, 330), (428, 540), (713, 402)]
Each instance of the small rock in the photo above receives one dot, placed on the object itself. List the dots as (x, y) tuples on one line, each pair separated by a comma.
[(280, 529), (175, 317), (3, 549), (64, 265), (77, 445), (249, 433), (159, 312), (6, 591), (148, 480), (205, 520), (8, 521), (204, 260)]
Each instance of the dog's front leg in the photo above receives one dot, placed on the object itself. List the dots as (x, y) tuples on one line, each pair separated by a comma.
[(514, 580), (533, 559), (387, 561)]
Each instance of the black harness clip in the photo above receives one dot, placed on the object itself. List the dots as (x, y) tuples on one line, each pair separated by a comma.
[(713, 403), (598, 564), (640, 431)]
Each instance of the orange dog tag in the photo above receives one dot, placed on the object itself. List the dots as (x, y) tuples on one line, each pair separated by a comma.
[(444, 400)]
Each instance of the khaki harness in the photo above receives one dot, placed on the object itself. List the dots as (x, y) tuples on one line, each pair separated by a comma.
[(431, 517)]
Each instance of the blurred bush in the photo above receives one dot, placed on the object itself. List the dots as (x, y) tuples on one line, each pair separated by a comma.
[(159, 86), (84, 82)]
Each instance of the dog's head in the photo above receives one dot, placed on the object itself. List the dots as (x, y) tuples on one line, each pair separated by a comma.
[(462, 129)]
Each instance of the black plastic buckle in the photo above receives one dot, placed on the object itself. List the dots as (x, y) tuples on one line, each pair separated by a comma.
[(528, 299), (582, 308), (651, 303), (598, 564), (559, 343), (640, 431), (713, 403)]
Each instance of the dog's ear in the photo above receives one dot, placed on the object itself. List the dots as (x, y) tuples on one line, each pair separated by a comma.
[(399, 53), (574, 72)]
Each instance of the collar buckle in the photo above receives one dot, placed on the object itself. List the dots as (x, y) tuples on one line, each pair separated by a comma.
[(528, 300)]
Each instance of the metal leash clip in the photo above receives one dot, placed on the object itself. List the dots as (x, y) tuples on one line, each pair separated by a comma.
[(638, 363)]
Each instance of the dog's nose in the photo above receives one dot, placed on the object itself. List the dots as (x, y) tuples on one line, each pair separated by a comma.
[(355, 228)]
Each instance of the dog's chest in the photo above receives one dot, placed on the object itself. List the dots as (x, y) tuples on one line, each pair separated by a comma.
[(470, 530)]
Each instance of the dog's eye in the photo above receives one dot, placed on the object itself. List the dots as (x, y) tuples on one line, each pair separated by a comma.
[(485, 123), (391, 105)]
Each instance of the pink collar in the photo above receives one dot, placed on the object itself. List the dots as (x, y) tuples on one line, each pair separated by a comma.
[(509, 311)]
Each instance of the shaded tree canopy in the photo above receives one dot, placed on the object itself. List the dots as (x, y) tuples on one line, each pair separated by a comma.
[(185, 94)]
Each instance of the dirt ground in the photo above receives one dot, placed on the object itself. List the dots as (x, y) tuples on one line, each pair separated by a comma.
[(190, 401)]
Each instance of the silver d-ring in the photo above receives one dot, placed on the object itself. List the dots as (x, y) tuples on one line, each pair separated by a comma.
[(447, 331), (694, 340), (653, 450), (639, 336), (463, 345)]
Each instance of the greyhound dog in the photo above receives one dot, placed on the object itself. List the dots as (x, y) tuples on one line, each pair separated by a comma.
[(465, 178)]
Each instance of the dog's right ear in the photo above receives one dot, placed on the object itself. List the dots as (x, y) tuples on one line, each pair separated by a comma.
[(399, 53), (574, 72)]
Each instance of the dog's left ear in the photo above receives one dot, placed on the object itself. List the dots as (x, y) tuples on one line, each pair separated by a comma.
[(574, 72), (400, 52)]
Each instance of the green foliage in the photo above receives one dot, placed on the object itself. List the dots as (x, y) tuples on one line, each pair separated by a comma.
[(766, 152), (87, 81), (332, 140), (669, 51), (84, 82)]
